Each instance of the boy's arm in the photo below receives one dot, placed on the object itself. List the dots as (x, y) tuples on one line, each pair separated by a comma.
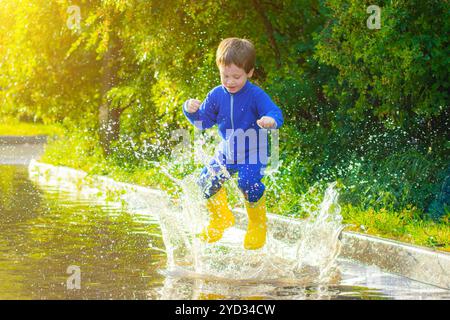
[(266, 107), (206, 115)]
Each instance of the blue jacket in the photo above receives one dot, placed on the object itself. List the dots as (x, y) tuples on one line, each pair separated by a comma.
[(236, 115)]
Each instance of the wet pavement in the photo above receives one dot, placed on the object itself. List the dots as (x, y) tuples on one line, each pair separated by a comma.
[(45, 230)]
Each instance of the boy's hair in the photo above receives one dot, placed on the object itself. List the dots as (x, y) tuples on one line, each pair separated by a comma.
[(241, 52)]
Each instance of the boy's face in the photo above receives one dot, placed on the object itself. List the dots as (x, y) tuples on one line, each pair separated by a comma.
[(233, 78)]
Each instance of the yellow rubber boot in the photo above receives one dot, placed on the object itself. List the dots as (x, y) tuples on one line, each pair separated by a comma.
[(255, 237), (221, 217)]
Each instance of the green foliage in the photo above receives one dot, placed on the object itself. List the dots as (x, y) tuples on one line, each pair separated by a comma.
[(368, 108), (38, 80), (399, 72)]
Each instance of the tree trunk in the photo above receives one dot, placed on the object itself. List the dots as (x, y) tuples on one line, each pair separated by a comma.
[(109, 118)]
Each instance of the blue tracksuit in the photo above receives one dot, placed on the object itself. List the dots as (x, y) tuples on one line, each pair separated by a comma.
[(244, 144)]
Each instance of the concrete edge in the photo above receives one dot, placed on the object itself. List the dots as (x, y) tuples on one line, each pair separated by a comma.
[(414, 262)]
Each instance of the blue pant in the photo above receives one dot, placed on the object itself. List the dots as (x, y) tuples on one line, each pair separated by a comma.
[(213, 176)]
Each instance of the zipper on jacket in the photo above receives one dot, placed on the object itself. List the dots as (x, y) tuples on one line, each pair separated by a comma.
[(231, 108)]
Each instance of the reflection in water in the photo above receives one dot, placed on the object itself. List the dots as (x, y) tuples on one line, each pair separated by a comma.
[(44, 232), (201, 289)]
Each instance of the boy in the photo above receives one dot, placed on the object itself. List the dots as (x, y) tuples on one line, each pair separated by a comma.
[(241, 110)]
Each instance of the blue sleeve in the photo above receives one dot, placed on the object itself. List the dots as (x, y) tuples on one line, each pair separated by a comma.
[(266, 107), (206, 116)]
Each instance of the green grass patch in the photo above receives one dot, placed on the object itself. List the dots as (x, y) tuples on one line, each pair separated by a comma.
[(84, 153), (404, 225), (14, 127)]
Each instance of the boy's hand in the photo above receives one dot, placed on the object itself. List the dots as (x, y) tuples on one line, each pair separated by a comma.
[(193, 105), (266, 122)]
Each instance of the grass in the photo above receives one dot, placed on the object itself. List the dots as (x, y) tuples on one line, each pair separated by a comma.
[(14, 127), (402, 225), (407, 225)]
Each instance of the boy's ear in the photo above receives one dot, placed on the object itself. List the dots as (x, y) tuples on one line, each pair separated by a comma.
[(250, 73)]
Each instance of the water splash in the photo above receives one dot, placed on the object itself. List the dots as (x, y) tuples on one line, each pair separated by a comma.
[(305, 251), (319, 245)]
